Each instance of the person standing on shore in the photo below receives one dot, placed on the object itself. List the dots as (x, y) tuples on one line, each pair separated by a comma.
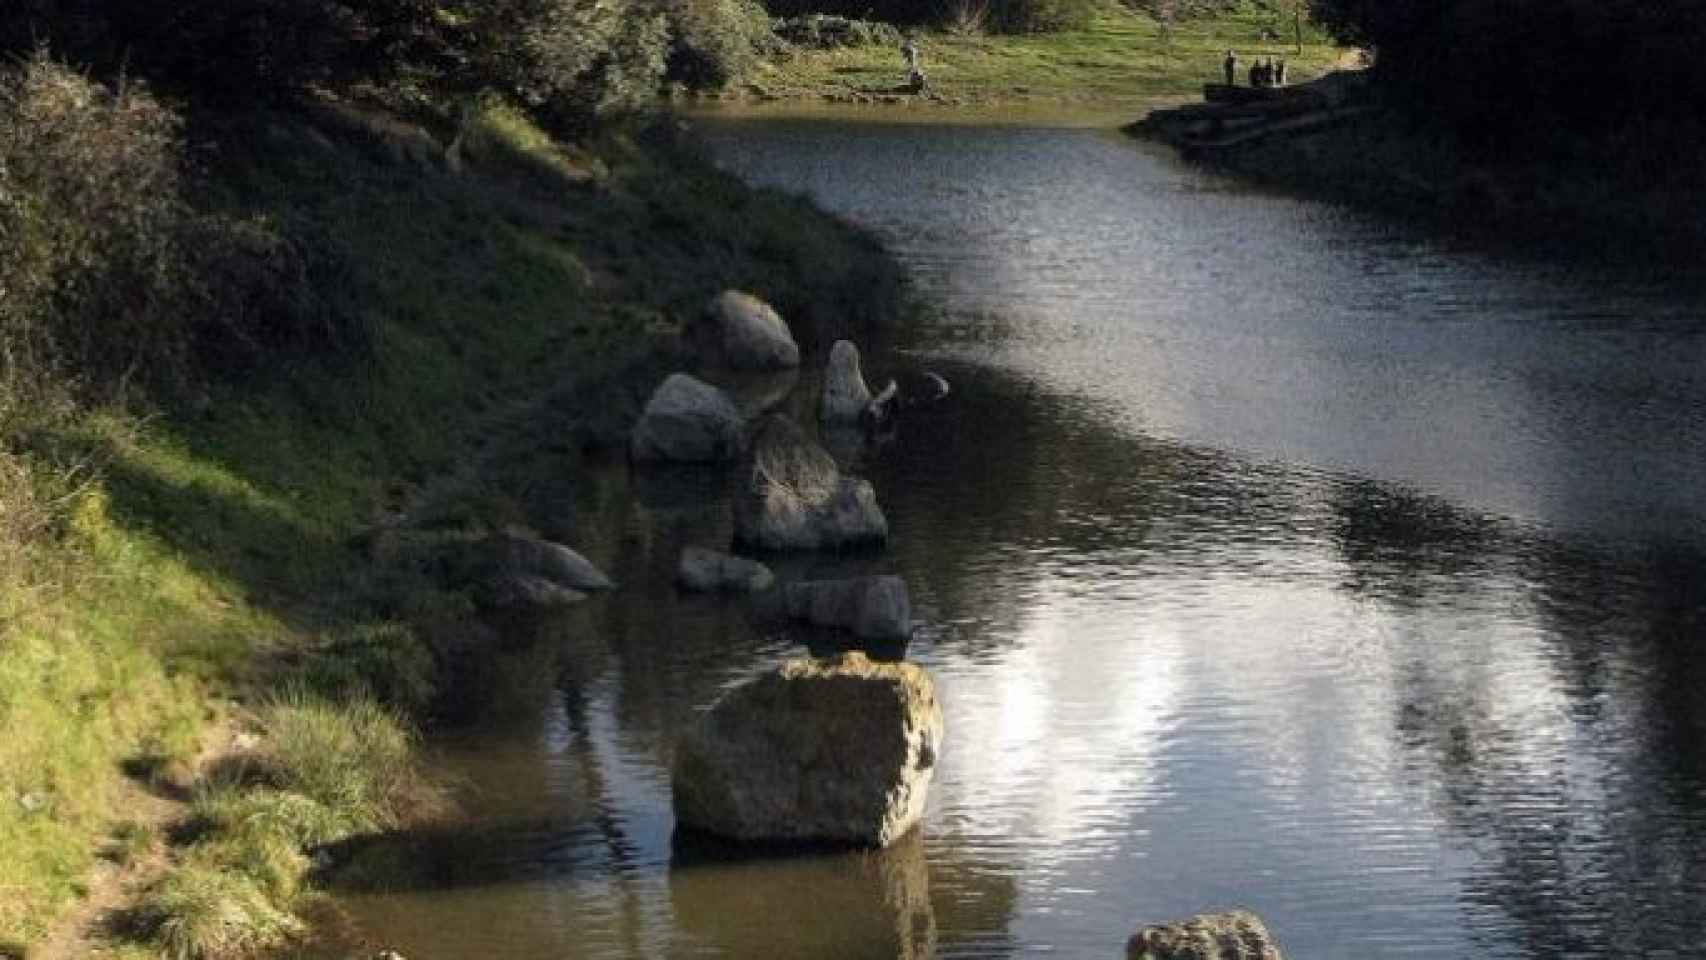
[(1230, 65), (914, 74), (1279, 73)]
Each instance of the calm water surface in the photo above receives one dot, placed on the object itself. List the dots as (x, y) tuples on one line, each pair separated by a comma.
[(1264, 555)]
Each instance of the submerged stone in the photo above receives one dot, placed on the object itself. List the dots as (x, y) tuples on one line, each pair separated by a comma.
[(687, 420), (508, 556), (705, 570), (873, 608)]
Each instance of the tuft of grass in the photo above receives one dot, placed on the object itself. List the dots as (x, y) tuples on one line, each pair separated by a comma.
[(205, 913), (356, 759), (230, 808)]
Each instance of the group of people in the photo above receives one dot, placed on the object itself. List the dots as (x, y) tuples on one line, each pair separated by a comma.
[(1263, 73)]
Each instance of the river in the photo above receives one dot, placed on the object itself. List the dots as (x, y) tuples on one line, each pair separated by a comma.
[(1265, 554)]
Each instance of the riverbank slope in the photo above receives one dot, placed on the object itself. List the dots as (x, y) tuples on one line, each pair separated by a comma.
[(184, 568)]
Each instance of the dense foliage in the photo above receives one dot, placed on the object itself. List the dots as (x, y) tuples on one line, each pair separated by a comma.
[(569, 58), (1009, 16), (110, 277), (1513, 70)]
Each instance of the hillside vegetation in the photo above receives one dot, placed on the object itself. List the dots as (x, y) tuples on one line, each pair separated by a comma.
[(271, 285)]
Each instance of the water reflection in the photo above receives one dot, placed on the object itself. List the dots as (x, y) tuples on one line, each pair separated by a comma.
[(1388, 713)]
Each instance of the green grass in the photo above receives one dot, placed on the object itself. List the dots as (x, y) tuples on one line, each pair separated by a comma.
[(1124, 59), (322, 771), (206, 913), (223, 545)]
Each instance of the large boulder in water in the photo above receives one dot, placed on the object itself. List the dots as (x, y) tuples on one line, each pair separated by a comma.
[(794, 497), (1232, 935), (738, 331), (688, 421), (845, 393), (707, 570), (836, 750), (873, 608)]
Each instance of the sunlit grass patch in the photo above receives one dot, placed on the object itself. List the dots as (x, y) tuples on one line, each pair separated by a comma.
[(355, 758), (207, 913), (1124, 57)]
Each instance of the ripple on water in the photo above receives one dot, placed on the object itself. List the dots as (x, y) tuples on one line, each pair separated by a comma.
[(1262, 555)]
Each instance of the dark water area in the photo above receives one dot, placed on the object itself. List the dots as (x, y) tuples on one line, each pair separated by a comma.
[(1264, 555)]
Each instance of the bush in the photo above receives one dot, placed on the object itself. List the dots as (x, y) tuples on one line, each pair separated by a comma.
[(200, 913), (89, 214), (1512, 73), (1041, 16), (714, 42), (826, 32), (355, 759), (110, 277)]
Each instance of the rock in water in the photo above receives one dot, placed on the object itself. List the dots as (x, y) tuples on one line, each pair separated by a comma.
[(741, 332), (795, 498), (1232, 935), (688, 421), (834, 750), (523, 592), (874, 608), (702, 569), (845, 394), (507, 556)]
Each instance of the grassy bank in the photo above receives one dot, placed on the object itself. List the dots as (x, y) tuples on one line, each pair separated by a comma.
[(1125, 58), (215, 551)]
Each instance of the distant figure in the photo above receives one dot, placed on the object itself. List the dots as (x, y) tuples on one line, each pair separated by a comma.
[(1230, 64), (1279, 74), (1255, 73), (914, 73)]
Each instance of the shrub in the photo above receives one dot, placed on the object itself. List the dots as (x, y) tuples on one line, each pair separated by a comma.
[(714, 42), (1041, 16), (89, 210), (826, 32), (110, 277), (202, 913), (355, 759)]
